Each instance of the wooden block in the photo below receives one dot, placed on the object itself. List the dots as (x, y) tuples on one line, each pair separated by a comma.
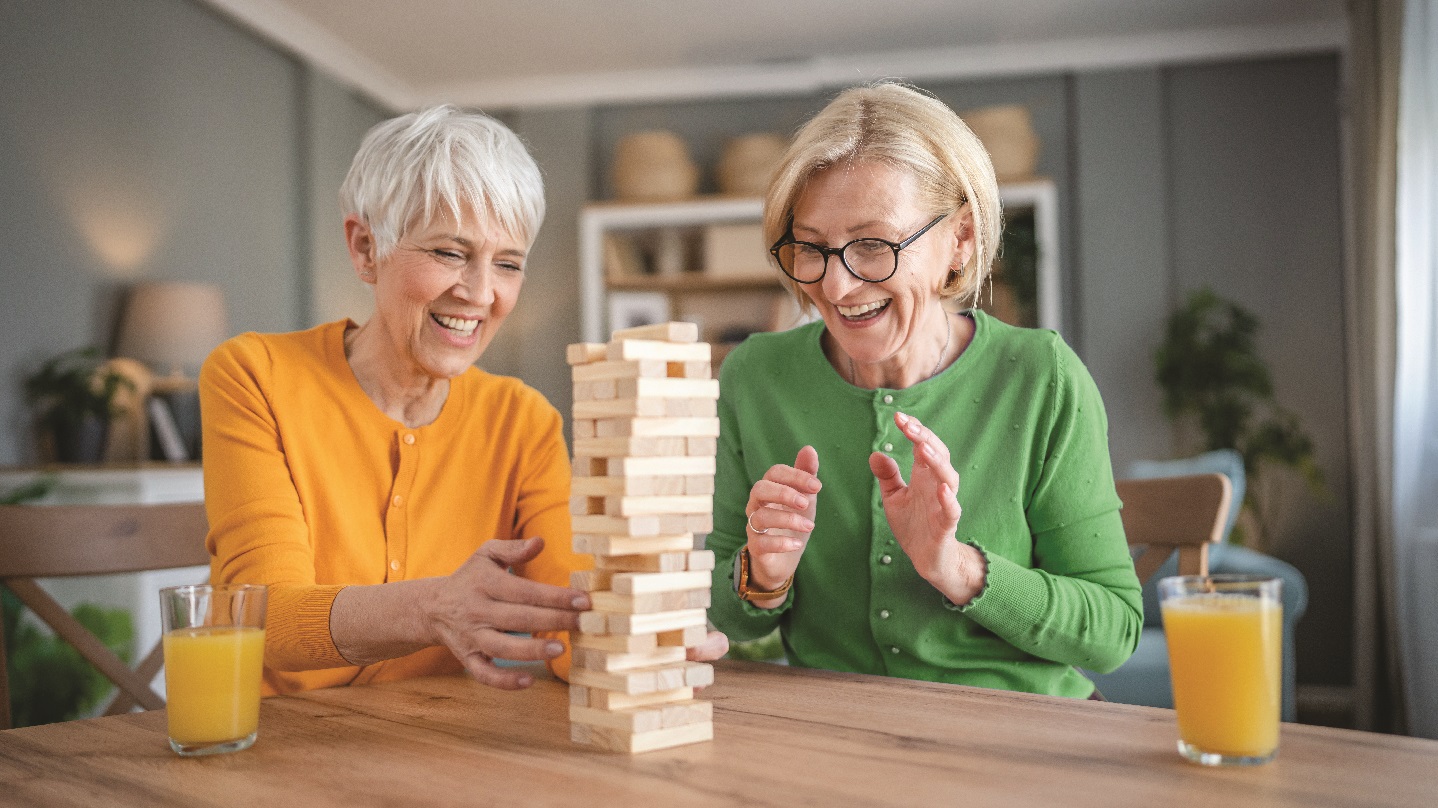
[(670, 678), (634, 447), (653, 562), (653, 623), (579, 696), (645, 719), (610, 700), (617, 643), (695, 522), (685, 637), (640, 506), (633, 486), (581, 353), (699, 484), (619, 349), (596, 659), (700, 446), (591, 580), (622, 466), (698, 674), (585, 428), (595, 623), (700, 560), (665, 332), (634, 682), (594, 407), (641, 583), (618, 740), (603, 390), (665, 388), (603, 524), (690, 407), (600, 544), (584, 506), (669, 524), (657, 427), (627, 369), (651, 602), (694, 369)]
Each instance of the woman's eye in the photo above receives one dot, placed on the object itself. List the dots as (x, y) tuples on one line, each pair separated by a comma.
[(447, 255), (804, 249), (509, 266)]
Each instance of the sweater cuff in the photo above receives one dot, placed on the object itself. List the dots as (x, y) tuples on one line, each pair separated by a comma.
[(1010, 604), (297, 628)]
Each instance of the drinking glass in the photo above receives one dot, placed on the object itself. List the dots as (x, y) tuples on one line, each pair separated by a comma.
[(1225, 653), (214, 650)]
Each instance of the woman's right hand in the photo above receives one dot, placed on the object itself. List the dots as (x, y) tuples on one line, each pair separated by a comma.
[(781, 511), (472, 609)]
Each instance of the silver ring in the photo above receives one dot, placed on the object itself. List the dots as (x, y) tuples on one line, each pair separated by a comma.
[(750, 522)]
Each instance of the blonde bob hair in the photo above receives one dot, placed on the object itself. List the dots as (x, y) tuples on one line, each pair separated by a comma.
[(410, 169), (909, 129)]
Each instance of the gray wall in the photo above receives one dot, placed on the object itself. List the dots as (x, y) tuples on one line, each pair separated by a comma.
[(150, 140), (153, 139)]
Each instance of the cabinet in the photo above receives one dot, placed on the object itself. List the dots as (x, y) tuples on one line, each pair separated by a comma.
[(703, 260)]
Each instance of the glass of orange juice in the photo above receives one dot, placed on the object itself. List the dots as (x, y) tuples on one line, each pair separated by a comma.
[(1225, 654), (214, 649)]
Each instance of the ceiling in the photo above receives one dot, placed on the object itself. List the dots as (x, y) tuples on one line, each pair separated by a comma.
[(521, 53)]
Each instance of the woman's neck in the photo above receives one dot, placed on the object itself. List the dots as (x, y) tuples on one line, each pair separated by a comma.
[(937, 349), (398, 387)]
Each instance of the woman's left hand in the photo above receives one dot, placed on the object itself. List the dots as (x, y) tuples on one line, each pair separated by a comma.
[(924, 514)]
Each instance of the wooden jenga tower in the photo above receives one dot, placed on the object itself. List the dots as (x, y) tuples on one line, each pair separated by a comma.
[(645, 432)]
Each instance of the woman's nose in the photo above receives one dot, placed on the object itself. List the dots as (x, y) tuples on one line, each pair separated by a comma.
[(838, 281), (475, 286)]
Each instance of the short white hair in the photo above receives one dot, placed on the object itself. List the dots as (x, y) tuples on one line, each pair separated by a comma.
[(410, 169)]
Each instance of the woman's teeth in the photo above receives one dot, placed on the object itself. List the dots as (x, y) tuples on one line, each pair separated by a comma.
[(458, 325), (864, 311)]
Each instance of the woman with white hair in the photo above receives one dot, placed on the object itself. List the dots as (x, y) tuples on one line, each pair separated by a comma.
[(884, 218), (379, 483)]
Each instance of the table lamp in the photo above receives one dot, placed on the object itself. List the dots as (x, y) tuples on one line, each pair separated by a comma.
[(172, 326)]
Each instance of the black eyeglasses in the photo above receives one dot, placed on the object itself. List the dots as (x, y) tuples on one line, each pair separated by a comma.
[(873, 260)]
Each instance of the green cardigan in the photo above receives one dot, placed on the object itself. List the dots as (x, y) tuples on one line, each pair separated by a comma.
[(1029, 438)]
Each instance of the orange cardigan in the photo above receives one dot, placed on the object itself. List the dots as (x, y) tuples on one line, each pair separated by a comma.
[(309, 487)]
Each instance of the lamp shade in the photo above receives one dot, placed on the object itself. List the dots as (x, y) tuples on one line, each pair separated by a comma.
[(173, 326)]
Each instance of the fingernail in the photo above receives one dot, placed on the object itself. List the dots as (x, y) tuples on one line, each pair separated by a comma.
[(581, 602), (802, 502), (792, 546), (554, 648), (903, 419), (526, 680)]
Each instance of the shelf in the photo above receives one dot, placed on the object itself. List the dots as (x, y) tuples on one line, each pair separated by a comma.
[(695, 282)]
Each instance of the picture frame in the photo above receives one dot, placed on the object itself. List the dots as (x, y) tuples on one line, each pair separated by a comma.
[(632, 309)]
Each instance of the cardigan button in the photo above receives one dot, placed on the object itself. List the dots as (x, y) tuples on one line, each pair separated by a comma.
[(883, 614), (409, 440), (394, 564), (398, 501), (893, 649), (885, 559), (888, 399), (888, 447)]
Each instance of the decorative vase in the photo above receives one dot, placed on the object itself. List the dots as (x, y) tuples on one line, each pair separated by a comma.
[(82, 441), (748, 163), (653, 166), (1007, 133)]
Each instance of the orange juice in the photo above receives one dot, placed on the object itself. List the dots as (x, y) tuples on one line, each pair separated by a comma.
[(1225, 656), (212, 682)]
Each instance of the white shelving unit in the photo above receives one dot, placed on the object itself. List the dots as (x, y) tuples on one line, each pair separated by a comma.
[(599, 219)]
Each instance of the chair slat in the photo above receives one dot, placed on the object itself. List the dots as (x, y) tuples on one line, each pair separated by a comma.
[(1174, 514), (44, 541)]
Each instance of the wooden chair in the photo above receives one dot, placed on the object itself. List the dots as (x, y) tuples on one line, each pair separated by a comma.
[(48, 541), (1165, 515)]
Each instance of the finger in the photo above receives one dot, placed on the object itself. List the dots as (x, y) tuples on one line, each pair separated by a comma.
[(514, 589), (764, 520), (808, 461), (499, 645), (891, 480), (928, 448), (518, 617), (511, 552), (714, 646), (488, 673), (768, 545), (768, 492), (802, 481), (949, 503)]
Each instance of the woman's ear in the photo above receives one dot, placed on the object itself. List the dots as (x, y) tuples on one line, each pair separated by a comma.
[(360, 241), (965, 244)]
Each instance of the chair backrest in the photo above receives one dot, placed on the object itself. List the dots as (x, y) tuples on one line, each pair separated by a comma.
[(47, 541), (1164, 515), (1227, 462), (51, 541)]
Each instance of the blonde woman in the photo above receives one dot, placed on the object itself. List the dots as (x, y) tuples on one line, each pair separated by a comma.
[(840, 516)]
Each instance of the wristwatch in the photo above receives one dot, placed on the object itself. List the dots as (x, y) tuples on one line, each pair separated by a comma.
[(741, 581)]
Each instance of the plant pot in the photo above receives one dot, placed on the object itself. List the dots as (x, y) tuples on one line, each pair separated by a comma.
[(82, 441)]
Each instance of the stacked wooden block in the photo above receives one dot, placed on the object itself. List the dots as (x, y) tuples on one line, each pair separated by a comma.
[(645, 432)]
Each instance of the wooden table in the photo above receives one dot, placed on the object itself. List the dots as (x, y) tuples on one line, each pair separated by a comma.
[(783, 737)]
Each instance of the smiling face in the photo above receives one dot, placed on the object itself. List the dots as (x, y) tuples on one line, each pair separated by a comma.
[(440, 296), (879, 324)]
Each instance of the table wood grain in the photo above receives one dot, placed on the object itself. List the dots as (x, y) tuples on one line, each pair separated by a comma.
[(783, 737)]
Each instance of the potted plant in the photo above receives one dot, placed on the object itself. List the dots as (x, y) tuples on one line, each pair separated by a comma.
[(74, 400), (1210, 371)]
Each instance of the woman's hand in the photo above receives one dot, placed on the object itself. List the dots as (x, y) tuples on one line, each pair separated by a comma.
[(924, 514), (471, 610), (715, 646), (781, 511)]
